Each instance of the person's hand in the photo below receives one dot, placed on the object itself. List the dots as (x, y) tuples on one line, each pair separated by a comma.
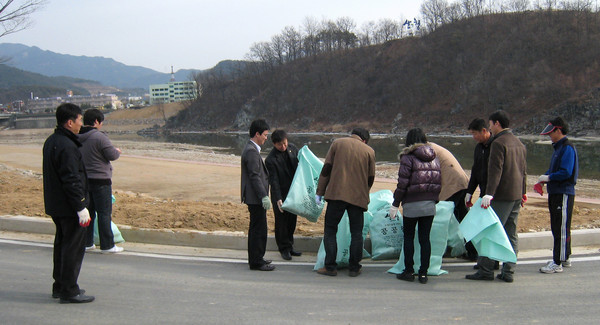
[(544, 179), (279, 204), (538, 188), (266, 203), (393, 212), (486, 200), (319, 199), (468, 202), (84, 217), (119, 150), (523, 200)]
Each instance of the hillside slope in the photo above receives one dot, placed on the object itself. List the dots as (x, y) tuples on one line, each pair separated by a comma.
[(531, 64)]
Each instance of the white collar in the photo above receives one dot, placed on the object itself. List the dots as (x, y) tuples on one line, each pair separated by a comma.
[(257, 146)]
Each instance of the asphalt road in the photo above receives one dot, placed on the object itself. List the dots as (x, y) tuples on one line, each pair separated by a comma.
[(137, 288)]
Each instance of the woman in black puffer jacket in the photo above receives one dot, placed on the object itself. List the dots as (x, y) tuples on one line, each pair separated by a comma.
[(419, 186)]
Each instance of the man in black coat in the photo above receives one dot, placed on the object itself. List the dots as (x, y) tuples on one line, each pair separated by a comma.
[(65, 200), (255, 193), (281, 163)]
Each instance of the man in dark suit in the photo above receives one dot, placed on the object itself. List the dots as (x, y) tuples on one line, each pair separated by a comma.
[(255, 193), (282, 163)]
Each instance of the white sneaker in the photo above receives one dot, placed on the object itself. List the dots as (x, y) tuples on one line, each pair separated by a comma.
[(566, 263), (90, 248), (115, 249), (551, 267)]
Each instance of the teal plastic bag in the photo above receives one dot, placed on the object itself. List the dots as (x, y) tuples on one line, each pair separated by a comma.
[(438, 238), (343, 238), (301, 197), (386, 234), (483, 228), (116, 233), (456, 240)]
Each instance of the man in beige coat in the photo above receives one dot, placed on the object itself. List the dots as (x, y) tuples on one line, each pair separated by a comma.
[(345, 181)]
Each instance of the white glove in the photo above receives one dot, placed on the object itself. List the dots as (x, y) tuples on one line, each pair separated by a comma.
[(486, 200), (393, 212), (468, 203), (266, 203), (279, 204), (544, 179), (84, 217), (319, 199)]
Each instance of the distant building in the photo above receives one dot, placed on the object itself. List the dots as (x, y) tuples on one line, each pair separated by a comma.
[(173, 91), (42, 104)]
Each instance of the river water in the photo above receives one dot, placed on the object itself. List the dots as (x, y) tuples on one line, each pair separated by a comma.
[(387, 147)]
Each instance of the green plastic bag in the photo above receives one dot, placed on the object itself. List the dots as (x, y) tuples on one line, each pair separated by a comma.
[(456, 240), (438, 238), (483, 228), (116, 233), (343, 238), (386, 234), (301, 197)]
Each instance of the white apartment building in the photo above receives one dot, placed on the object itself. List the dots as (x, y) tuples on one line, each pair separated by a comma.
[(174, 91)]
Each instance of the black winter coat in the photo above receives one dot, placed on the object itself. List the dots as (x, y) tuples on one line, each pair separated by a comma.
[(479, 173), (65, 180), (419, 175), (282, 167)]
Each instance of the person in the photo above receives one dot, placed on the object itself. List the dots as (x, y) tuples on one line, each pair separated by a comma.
[(281, 163), (504, 192), (419, 187), (255, 193), (560, 180), (454, 184), (345, 180), (478, 178), (98, 152), (65, 201)]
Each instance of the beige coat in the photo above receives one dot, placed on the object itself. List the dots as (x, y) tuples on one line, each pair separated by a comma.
[(348, 172), (454, 177)]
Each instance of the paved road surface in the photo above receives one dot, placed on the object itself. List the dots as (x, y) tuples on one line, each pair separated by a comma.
[(139, 288)]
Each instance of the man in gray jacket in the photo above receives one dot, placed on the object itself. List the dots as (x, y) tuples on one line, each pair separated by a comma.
[(98, 152)]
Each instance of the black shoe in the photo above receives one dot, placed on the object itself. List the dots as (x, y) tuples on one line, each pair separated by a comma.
[(267, 261), (79, 299), (479, 276), (505, 277), (264, 267), (354, 273), (496, 266), (325, 271), (423, 278), (56, 295), (295, 253), (406, 276), (286, 255)]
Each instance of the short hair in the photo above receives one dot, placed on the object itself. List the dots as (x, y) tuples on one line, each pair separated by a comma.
[(259, 126), (501, 117), (562, 124), (92, 115), (415, 135), (362, 133), (278, 136), (67, 111), (477, 124)]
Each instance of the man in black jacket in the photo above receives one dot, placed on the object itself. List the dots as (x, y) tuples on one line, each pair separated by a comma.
[(65, 200), (281, 163)]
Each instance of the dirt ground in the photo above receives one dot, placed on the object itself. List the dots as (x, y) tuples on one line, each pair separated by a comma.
[(181, 186)]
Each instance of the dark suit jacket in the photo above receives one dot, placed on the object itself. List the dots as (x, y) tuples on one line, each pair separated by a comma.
[(282, 167), (255, 179)]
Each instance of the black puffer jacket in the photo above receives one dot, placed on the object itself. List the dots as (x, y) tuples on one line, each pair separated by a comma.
[(419, 175)]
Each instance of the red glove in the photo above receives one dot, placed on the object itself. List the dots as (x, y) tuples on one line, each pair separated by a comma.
[(538, 187), (523, 200)]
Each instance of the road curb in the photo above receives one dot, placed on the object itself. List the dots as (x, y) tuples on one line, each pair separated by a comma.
[(237, 240)]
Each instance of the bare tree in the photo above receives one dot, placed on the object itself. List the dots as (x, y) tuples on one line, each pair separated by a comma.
[(15, 14), (433, 12), (310, 42), (517, 5)]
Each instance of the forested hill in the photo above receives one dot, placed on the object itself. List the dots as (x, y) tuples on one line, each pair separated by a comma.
[(533, 64)]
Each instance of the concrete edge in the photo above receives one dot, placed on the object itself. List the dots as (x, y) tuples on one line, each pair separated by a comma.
[(238, 240)]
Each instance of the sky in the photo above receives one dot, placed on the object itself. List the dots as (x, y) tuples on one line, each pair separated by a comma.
[(186, 34)]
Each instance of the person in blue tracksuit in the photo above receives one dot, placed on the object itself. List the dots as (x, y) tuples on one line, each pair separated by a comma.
[(560, 180)]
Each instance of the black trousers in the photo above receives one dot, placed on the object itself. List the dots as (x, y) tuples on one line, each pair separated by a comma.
[(333, 216), (285, 226), (409, 226), (257, 235), (561, 211), (69, 250), (460, 211)]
